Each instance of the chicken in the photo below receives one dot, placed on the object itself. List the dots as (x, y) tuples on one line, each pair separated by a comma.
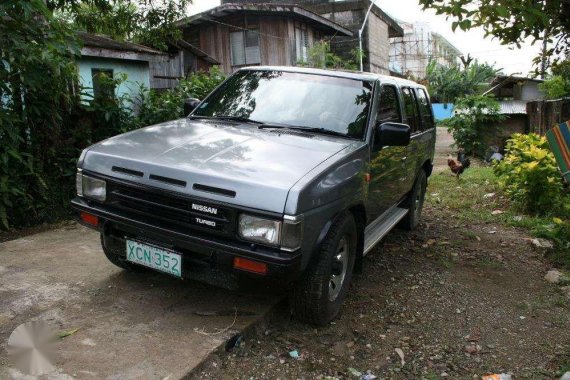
[(459, 166)]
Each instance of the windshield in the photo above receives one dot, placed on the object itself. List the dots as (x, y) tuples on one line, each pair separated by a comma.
[(297, 99)]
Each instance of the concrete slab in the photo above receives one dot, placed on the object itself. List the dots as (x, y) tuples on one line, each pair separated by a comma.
[(131, 325)]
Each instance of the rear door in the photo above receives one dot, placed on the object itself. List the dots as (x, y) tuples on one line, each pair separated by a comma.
[(412, 117), (386, 173), (423, 141)]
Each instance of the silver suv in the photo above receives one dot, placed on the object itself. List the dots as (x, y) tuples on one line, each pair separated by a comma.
[(284, 177)]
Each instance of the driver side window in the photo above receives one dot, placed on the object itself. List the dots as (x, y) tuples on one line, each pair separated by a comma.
[(389, 106)]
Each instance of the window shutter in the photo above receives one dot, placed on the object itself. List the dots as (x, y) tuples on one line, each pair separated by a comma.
[(237, 44), (252, 52)]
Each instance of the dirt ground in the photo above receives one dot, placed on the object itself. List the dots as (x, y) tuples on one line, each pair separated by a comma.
[(459, 300)]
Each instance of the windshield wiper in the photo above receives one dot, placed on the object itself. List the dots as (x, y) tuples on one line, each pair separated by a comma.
[(323, 131), (227, 117)]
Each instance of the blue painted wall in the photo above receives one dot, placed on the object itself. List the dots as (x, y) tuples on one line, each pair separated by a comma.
[(442, 111), (137, 73)]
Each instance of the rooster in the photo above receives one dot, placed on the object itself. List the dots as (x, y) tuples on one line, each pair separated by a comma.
[(459, 166)]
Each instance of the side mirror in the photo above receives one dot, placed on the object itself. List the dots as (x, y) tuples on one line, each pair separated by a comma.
[(190, 105), (392, 134)]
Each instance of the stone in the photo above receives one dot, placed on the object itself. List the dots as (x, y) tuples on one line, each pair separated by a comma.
[(542, 243), (566, 376), (553, 276), (566, 292)]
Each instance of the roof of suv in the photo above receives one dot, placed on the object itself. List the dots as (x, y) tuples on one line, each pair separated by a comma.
[(357, 75)]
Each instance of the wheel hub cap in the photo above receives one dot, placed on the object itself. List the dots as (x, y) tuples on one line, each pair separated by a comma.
[(339, 268)]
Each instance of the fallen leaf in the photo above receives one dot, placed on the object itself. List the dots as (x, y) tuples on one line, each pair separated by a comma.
[(497, 212), (65, 334), (354, 372), (401, 355)]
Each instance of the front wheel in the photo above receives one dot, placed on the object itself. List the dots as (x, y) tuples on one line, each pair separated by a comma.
[(317, 298), (415, 203)]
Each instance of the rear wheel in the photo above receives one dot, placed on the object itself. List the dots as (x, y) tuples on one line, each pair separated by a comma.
[(317, 298), (415, 203)]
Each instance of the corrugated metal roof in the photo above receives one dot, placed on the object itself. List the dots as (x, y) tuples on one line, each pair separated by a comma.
[(513, 107), (227, 9), (105, 42)]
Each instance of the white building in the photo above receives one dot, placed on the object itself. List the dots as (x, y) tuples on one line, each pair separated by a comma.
[(410, 54)]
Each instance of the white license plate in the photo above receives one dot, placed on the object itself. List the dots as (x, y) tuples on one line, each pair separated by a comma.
[(161, 259)]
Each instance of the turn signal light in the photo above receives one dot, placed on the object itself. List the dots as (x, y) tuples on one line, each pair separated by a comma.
[(250, 265), (90, 219)]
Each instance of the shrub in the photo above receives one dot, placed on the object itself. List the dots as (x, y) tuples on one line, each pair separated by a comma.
[(530, 176), (157, 107), (474, 115)]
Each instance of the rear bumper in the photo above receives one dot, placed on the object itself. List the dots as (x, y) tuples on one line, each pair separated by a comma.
[(206, 258)]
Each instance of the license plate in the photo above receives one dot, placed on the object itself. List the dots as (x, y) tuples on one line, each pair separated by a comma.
[(154, 257)]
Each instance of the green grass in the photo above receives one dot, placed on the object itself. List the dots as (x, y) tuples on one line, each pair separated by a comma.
[(465, 200)]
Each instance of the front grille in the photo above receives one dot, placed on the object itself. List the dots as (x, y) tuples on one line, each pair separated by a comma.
[(169, 208)]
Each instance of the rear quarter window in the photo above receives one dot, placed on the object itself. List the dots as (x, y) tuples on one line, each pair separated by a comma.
[(425, 109)]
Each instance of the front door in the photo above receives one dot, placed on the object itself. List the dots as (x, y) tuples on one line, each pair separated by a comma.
[(384, 188)]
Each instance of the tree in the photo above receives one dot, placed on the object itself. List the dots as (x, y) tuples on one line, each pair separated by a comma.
[(143, 21), (512, 21), (558, 85), (446, 84), (474, 116)]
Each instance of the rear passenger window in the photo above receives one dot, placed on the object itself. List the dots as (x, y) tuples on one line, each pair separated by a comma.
[(425, 108), (389, 108), (411, 108)]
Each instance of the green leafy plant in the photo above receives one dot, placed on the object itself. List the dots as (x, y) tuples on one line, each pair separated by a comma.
[(558, 85), (447, 83), (156, 107), (321, 56), (530, 176), (474, 115)]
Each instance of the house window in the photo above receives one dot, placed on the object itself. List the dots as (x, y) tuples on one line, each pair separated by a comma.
[(103, 84), (301, 44), (244, 47)]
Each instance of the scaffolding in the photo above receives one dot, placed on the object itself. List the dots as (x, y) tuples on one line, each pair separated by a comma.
[(410, 54)]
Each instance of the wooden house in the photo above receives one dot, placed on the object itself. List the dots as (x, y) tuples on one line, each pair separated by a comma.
[(142, 65), (350, 14), (238, 35)]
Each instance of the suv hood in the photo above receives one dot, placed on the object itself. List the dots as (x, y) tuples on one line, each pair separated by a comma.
[(245, 166)]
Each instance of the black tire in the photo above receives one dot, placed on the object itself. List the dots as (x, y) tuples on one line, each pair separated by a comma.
[(415, 203), (317, 299), (118, 258)]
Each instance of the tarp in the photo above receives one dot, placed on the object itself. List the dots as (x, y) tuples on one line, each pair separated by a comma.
[(559, 141)]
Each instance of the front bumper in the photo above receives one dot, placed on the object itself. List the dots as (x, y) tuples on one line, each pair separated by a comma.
[(205, 258)]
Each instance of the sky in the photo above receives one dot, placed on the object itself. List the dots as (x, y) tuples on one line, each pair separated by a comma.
[(512, 61)]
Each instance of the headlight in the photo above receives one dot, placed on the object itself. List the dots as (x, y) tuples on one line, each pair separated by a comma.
[(260, 230), (91, 187)]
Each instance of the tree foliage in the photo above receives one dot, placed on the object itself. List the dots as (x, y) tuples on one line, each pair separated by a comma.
[(446, 84), (151, 23), (45, 121), (512, 21), (558, 85)]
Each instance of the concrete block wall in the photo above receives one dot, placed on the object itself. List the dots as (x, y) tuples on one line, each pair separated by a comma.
[(378, 48)]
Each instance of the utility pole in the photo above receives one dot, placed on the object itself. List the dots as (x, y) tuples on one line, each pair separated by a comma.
[(360, 33)]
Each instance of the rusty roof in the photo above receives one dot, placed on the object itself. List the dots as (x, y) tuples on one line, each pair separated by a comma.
[(320, 22), (105, 42)]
